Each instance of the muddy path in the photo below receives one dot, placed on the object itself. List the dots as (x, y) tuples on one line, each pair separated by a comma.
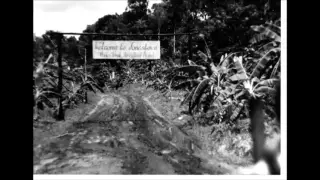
[(124, 134)]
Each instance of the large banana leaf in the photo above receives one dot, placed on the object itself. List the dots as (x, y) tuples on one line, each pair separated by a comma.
[(203, 56), (214, 69), (275, 69), (269, 82), (49, 81), (64, 76), (191, 63), (185, 84), (40, 95), (51, 66), (188, 97), (46, 101), (255, 81), (237, 110), (264, 32), (278, 101), (226, 59), (179, 78), (89, 79), (52, 44), (191, 69), (91, 86), (257, 72), (241, 71), (239, 94), (198, 93), (265, 90), (238, 77), (274, 27), (231, 89), (265, 48), (223, 66)]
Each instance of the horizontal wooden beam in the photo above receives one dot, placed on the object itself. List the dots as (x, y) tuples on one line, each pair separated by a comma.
[(112, 34)]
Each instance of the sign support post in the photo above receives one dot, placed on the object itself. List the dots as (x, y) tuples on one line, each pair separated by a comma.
[(85, 64), (190, 46), (60, 71), (85, 73)]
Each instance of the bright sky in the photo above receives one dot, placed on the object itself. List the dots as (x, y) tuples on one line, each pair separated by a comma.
[(73, 15)]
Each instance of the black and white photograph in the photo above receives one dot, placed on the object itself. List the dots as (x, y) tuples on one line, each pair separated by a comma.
[(159, 87)]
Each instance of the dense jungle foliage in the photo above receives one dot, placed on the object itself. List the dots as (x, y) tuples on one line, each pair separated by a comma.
[(235, 57)]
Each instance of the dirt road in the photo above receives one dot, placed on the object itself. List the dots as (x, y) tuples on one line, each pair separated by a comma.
[(124, 134)]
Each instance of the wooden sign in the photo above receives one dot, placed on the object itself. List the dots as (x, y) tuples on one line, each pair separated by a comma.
[(126, 50)]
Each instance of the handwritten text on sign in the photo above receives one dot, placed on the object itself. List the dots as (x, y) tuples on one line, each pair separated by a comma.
[(126, 49)]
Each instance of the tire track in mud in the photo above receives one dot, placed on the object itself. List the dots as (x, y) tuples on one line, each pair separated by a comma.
[(124, 134)]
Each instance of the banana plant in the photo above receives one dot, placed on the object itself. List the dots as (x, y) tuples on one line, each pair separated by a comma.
[(203, 87), (72, 97), (248, 87), (265, 72), (268, 31), (253, 86), (42, 99), (43, 92), (80, 88), (40, 71), (156, 77), (257, 88), (269, 60), (207, 47)]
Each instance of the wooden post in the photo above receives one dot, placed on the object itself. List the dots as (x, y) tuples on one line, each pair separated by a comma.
[(174, 41), (174, 46), (85, 73), (60, 71), (190, 46), (85, 63)]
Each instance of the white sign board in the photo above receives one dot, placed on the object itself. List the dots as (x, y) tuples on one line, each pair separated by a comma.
[(126, 49)]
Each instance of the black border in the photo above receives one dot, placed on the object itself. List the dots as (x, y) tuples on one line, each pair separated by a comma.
[(300, 112), (16, 84)]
